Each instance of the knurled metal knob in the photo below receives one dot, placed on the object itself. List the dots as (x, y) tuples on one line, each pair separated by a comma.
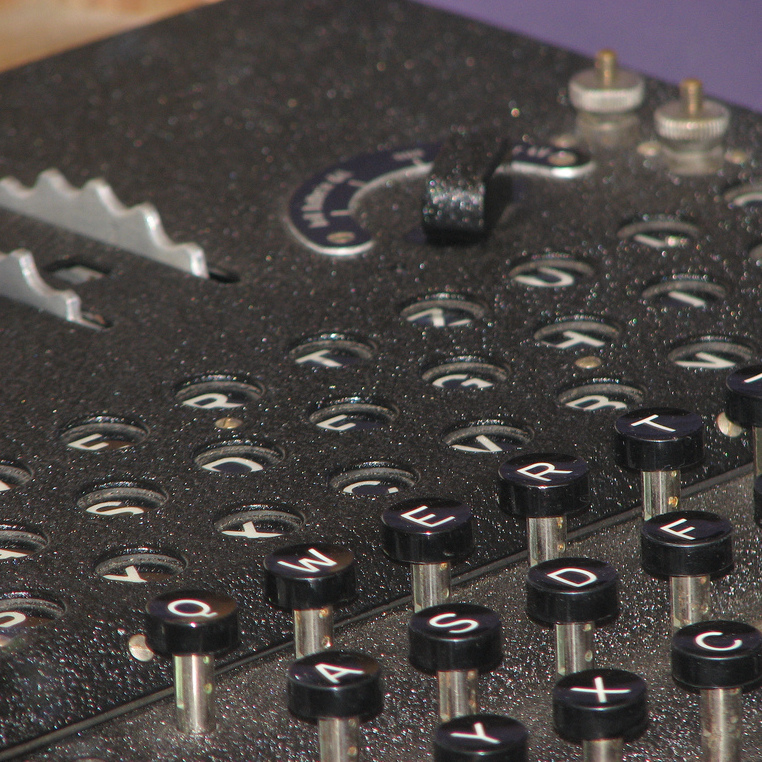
[(691, 118)]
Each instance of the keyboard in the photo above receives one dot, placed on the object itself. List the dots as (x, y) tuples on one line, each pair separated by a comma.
[(231, 329)]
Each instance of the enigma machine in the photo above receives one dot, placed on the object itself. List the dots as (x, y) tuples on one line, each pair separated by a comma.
[(358, 312)]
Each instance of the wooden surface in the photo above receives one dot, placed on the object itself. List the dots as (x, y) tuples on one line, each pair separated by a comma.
[(32, 29)]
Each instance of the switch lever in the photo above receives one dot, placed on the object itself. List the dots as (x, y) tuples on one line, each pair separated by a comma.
[(463, 199)]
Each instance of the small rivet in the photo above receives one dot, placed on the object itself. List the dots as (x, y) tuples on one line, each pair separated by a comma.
[(589, 362), (565, 140), (727, 427), (649, 148), (737, 156), (562, 158), (341, 237), (139, 649), (228, 423)]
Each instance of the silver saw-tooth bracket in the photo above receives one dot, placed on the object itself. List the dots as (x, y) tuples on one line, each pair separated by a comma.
[(94, 211), (20, 281)]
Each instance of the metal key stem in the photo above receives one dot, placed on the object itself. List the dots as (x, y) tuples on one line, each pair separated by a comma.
[(574, 647), (546, 538), (339, 739), (458, 693), (313, 630), (720, 710), (603, 750), (194, 693), (689, 600), (431, 585), (757, 445), (661, 492)]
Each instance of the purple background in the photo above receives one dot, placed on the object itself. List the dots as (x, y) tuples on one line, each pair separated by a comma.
[(718, 41)]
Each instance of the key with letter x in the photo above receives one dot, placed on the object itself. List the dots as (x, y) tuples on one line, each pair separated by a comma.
[(599, 708)]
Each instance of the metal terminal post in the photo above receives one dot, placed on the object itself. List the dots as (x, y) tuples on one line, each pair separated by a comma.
[(574, 647), (720, 710), (546, 537), (194, 693), (603, 750), (606, 98), (661, 492), (431, 584), (313, 630), (339, 739), (458, 693), (692, 96), (689, 600), (606, 65), (691, 130)]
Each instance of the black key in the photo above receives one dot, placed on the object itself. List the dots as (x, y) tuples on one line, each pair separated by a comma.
[(310, 580), (574, 595), (456, 642), (429, 534), (192, 626), (659, 442)]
